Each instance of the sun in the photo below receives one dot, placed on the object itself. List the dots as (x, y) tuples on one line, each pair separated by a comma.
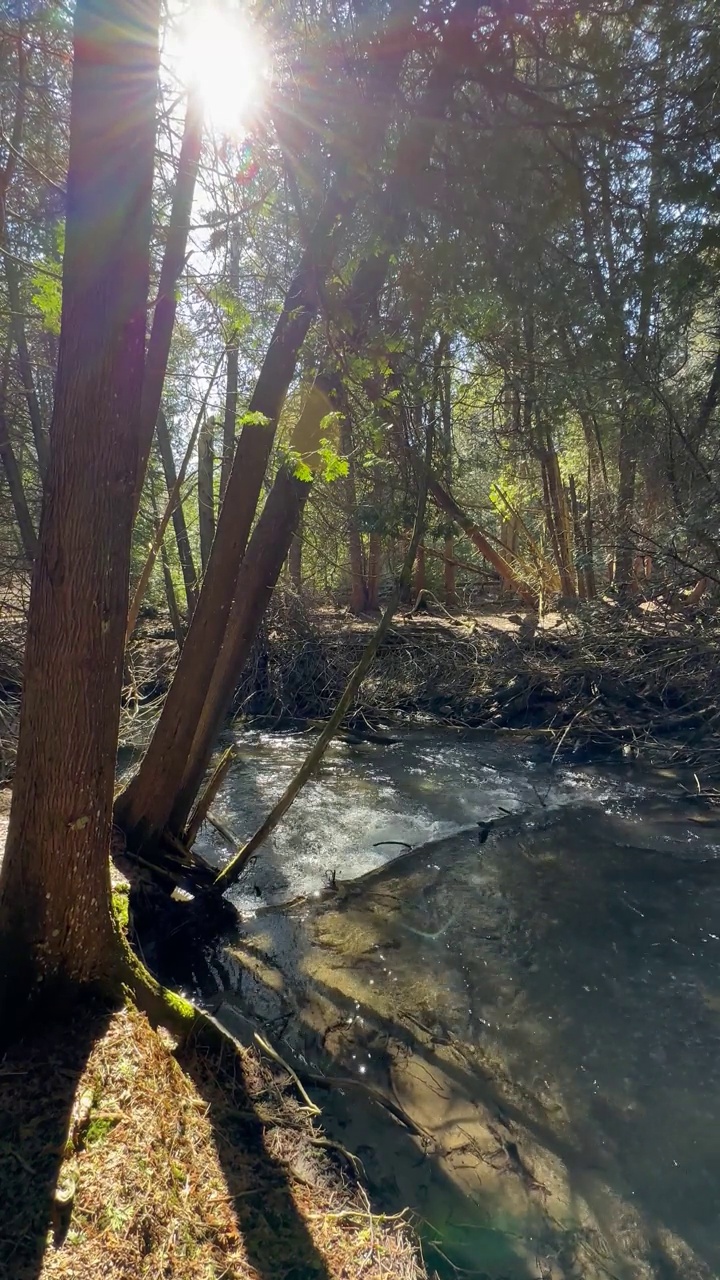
[(221, 57)]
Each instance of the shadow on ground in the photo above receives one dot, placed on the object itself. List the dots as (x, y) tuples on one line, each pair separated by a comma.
[(39, 1079), (41, 1096)]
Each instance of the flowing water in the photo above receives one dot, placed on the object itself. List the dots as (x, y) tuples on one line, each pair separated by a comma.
[(540, 1012)]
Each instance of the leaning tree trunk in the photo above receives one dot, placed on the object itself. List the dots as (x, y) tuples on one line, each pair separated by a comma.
[(206, 490), (182, 537), (266, 553), (171, 268), (145, 806), (233, 369), (158, 789), (447, 503), (55, 920)]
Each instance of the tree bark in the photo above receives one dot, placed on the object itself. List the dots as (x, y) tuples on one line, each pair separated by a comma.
[(28, 536), (25, 366), (559, 524), (206, 490), (295, 556), (259, 572), (231, 384), (55, 920), (182, 538), (163, 322), (627, 474)]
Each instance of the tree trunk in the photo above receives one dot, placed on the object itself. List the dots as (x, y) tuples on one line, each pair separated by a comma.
[(28, 537), (55, 920), (295, 556), (358, 593), (372, 603), (556, 512), (25, 366), (163, 323), (627, 474), (419, 579), (231, 384), (182, 538), (259, 572), (206, 490), (447, 503)]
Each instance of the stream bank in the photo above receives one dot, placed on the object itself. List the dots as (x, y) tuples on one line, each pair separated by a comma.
[(597, 679)]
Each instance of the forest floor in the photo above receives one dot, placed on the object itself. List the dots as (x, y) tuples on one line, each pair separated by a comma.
[(126, 1157)]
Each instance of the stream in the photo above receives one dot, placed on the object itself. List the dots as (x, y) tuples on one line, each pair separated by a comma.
[(524, 1033)]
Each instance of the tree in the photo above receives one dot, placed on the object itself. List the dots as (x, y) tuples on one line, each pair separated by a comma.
[(55, 919)]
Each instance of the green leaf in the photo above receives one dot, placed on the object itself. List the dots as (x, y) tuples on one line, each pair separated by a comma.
[(332, 465), (254, 420), (47, 287)]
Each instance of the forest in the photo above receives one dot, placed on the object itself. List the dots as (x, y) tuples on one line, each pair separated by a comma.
[(359, 567)]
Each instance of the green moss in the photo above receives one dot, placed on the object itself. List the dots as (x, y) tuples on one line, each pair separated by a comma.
[(121, 905), (99, 1128), (163, 1007)]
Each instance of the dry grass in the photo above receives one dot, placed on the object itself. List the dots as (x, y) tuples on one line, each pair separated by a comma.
[(121, 1156)]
